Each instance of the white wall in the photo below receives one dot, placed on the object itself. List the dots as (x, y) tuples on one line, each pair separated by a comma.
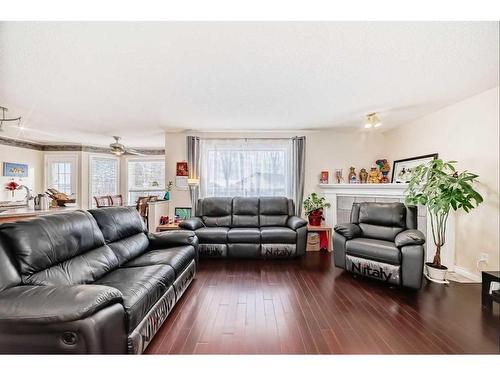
[(468, 133), (34, 180)]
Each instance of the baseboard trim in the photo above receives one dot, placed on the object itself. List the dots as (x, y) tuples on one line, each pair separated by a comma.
[(468, 274)]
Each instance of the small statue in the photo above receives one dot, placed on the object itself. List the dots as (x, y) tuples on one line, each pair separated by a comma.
[(384, 169), (374, 176), (363, 176), (338, 176), (352, 176)]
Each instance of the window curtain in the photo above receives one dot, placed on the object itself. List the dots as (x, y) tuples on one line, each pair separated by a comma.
[(246, 167), (193, 150), (298, 168)]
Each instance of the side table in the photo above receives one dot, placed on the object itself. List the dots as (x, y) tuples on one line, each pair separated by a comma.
[(487, 298), (167, 227), (323, 228)]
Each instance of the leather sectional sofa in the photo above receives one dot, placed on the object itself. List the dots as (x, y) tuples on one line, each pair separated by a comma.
[(89, 282), (248, 227), (381, 242)]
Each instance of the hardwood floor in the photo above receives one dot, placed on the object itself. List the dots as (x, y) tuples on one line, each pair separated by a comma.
[(309, 306)]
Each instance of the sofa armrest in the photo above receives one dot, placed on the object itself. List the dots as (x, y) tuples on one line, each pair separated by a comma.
[(192, 223), (36, 304), (409, 237), (295, 222), (164, 240), (348, 230)]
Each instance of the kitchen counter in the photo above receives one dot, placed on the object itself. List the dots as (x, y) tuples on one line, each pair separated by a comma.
[(21, 213)]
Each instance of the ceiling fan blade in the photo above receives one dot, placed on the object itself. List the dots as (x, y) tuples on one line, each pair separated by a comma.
[(134, 152)]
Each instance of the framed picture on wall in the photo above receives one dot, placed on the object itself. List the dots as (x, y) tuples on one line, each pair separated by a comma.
[(181, 169), (401, 169), (15, 169), (183, 213)]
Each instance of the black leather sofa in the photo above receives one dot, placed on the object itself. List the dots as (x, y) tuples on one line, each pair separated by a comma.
[(248, 227), (382, 242), (89, 282)]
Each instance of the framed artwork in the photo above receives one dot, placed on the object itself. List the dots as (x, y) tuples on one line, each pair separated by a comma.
[(15, 169), (324, 177), (183, 213), (181, 169), (401, 169)]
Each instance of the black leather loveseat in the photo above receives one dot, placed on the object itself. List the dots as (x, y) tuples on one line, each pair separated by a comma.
[(248, 227), (382, 242), (89, 282)]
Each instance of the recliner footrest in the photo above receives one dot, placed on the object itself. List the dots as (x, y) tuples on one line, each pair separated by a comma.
[(376, 270)]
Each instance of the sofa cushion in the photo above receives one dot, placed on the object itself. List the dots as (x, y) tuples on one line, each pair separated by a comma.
[(141, 288), (379, 250), (216, 212), (177, 257), (281, 235), (123, 230), (245, 212), (212, 234), (244, 235), (65, 249), (273, 211)]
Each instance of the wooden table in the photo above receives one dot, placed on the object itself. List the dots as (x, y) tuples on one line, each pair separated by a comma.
[(323, 228), (167, 227)]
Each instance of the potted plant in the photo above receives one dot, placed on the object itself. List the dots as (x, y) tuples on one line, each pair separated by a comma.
[(313, 206), (441, 188), (169, 189)]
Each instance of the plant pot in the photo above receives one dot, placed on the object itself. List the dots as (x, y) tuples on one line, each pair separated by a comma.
[(315, 218), (436, 274)]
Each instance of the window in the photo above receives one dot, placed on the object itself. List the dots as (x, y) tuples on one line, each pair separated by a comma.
[(104, 176), (145, 178), (61, 173), (245, 167)]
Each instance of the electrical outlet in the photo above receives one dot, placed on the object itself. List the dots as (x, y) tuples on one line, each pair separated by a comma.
[(483, 257)]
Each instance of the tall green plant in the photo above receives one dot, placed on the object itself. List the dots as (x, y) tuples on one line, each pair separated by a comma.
[(440, 187), (313, 203)]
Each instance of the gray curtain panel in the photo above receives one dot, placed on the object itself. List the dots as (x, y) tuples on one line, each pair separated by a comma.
[(298, 174), (193, 151)]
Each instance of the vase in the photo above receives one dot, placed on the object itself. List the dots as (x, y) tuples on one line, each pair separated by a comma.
[(167, 196), (315, 217)]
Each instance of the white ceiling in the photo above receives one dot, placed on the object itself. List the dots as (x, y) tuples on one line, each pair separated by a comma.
[(83, 82)]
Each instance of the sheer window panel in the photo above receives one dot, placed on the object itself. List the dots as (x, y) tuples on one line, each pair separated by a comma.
[(245, 167), (104, 176)]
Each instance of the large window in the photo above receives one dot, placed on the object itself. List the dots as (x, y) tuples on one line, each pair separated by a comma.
[(245, 167), (145, 178), (104, 176), (61, 173)]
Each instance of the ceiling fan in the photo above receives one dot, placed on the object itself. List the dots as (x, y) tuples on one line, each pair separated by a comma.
[(119, 149)]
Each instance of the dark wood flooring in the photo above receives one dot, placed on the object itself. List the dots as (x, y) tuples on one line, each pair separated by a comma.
[(309, 306)]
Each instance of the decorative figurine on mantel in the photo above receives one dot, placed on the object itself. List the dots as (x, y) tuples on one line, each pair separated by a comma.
[(374, 176), (352, 176), (338, 176), (384, 169), (363, 176)]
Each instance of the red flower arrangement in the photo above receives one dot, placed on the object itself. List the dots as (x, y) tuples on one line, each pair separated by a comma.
[(13, 185)]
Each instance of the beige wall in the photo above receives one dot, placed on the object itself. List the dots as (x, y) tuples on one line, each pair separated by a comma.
[(34, 180), (325, 150), (468, 133)]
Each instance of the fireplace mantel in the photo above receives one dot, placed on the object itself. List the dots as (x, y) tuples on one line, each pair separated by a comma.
[(341, 197)]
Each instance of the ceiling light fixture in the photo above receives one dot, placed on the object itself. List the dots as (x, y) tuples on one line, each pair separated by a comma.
[(5, 119), (372, 120)]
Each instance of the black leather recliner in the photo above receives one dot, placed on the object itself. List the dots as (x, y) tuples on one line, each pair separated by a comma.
[(382, 242), (89, 282), (248, 227)]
